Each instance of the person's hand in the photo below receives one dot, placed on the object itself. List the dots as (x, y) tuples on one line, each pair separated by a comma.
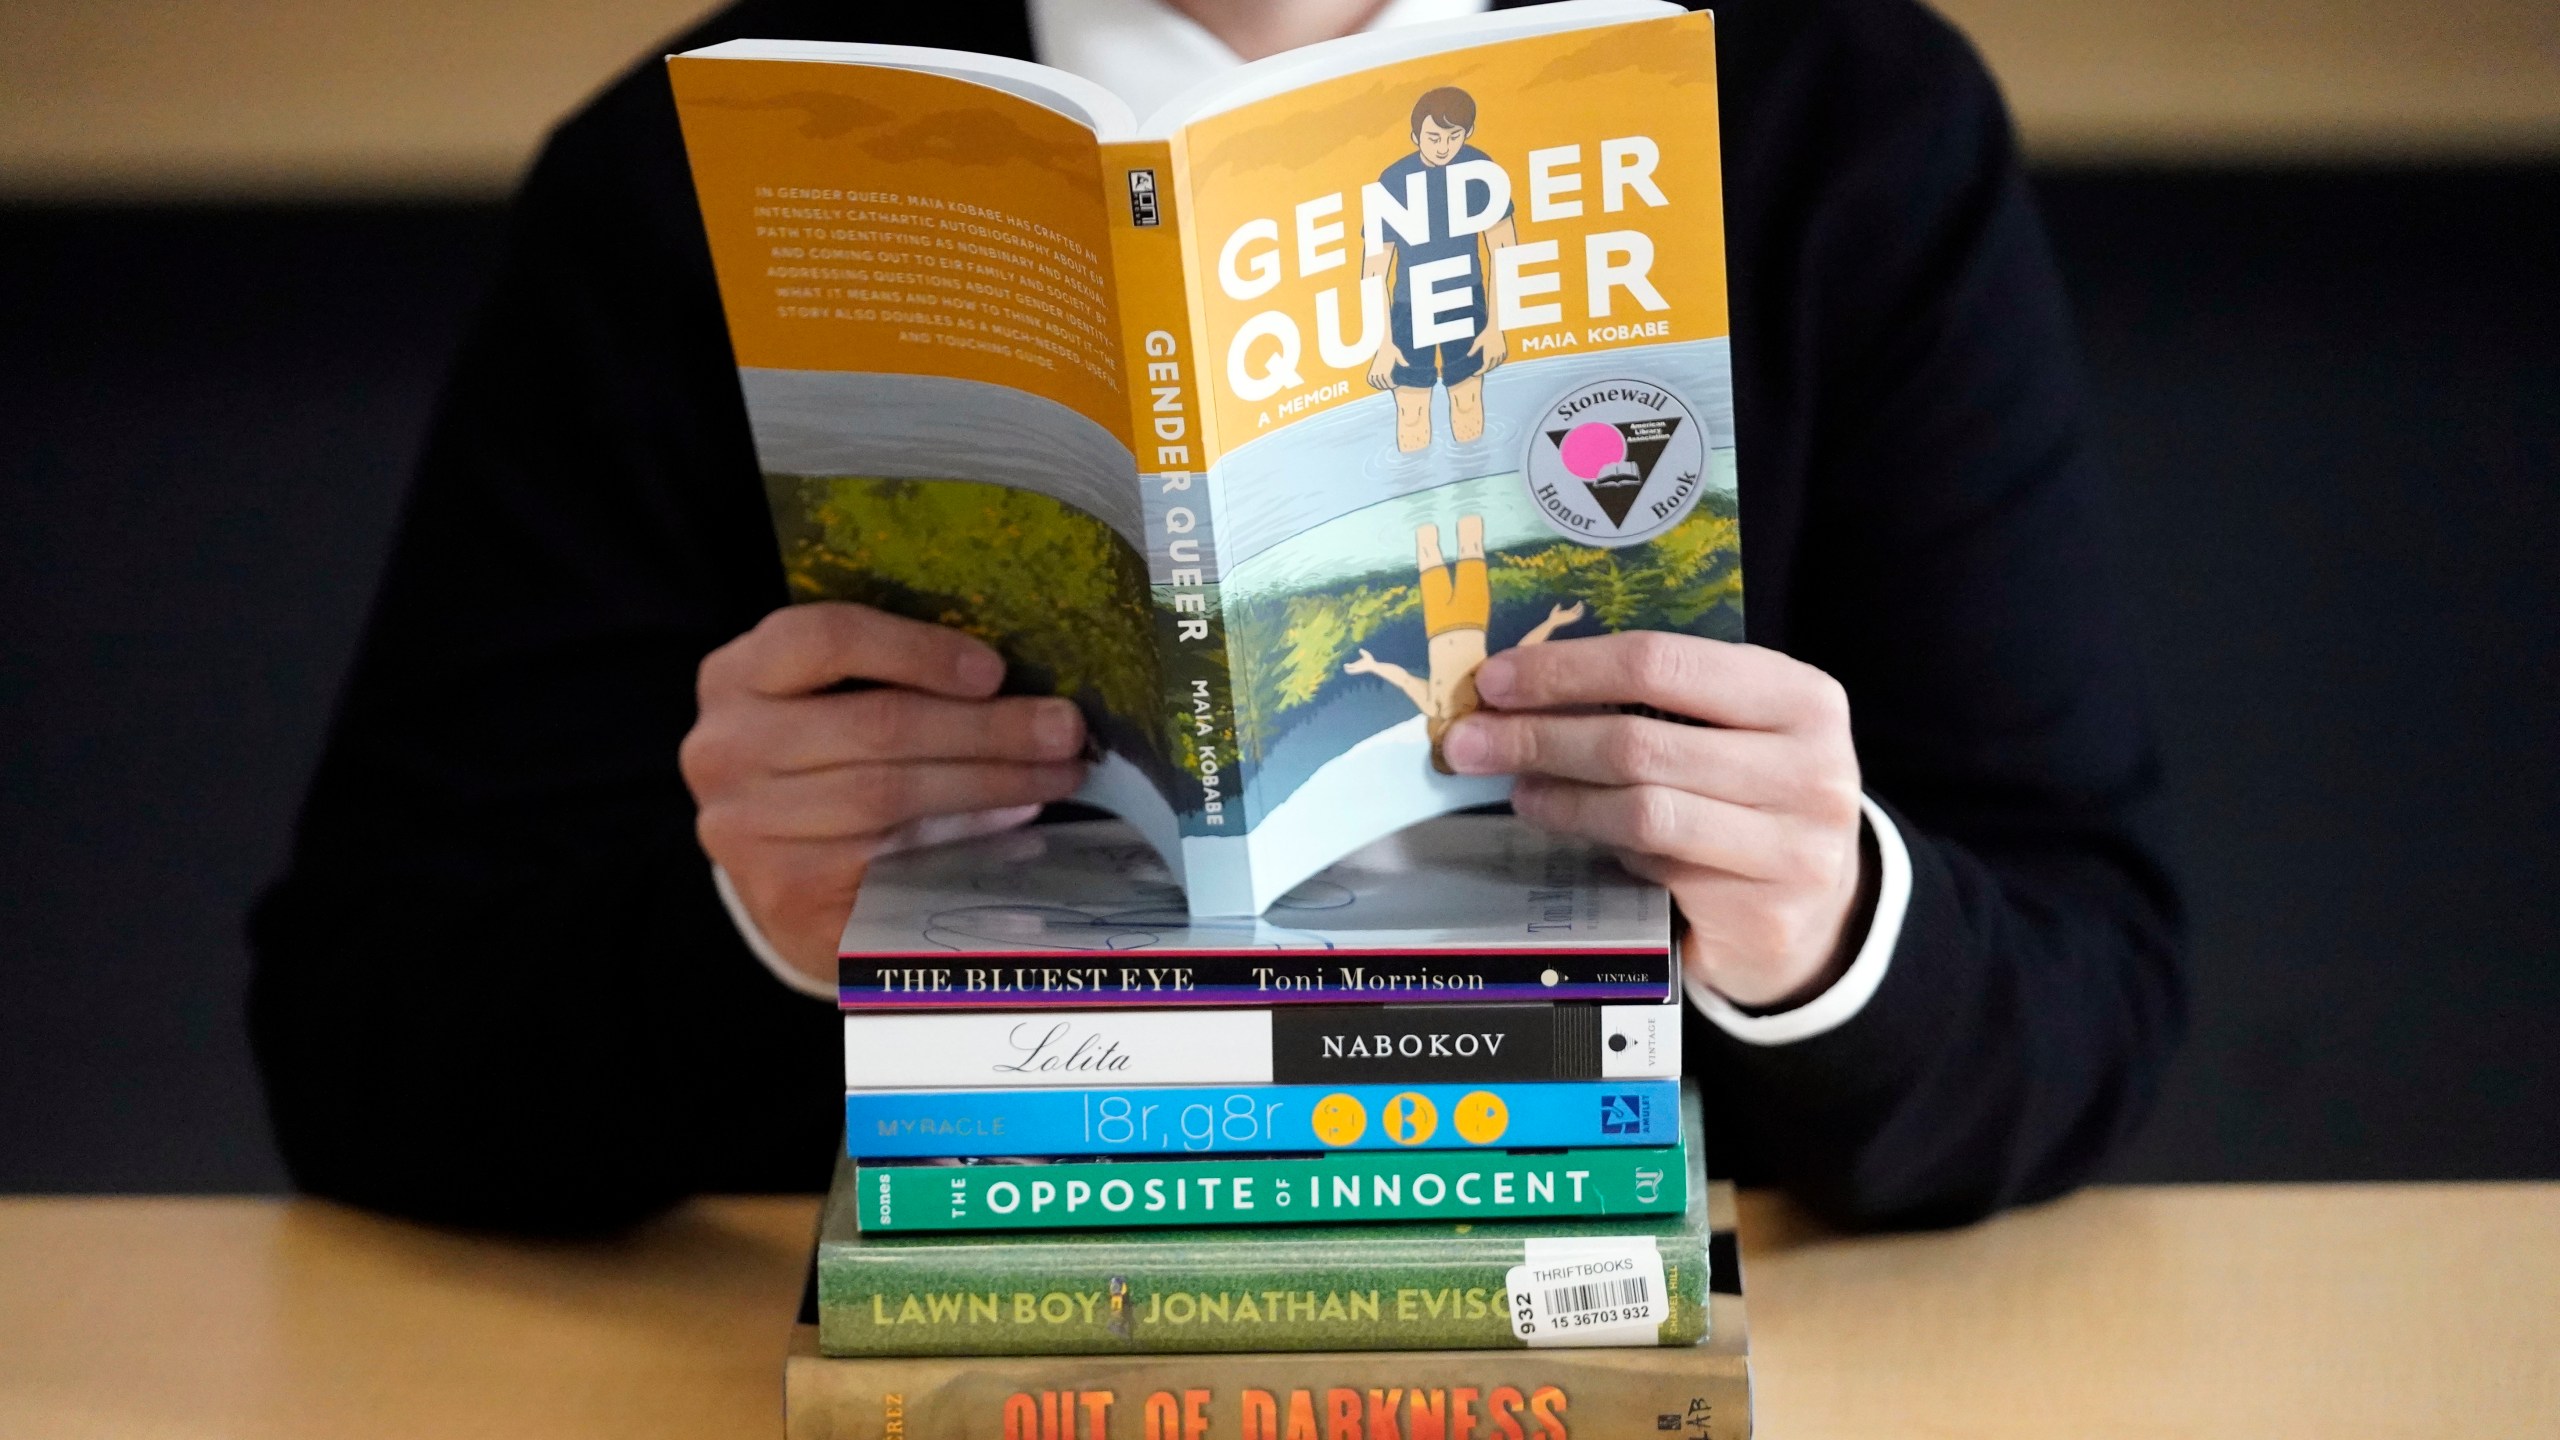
[(1382, 366), (797, 789), (1752, 819), (1490, 345)]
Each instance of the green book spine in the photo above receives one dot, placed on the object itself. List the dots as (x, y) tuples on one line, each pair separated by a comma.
[(1349, 1185), (1408, 1286)]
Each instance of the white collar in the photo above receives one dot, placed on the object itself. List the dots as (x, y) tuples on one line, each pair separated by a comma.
[(1146, 52)]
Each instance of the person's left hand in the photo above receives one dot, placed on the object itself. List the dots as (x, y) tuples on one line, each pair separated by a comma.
[(1752, 819), (1490, 344)]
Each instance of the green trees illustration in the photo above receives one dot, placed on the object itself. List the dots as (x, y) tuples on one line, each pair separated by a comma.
[(1289, 647), (1061, 594)]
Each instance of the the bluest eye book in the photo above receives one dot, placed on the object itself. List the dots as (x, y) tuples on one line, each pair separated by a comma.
[(1084, 916)]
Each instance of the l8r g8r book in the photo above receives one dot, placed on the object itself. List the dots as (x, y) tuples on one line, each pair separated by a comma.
[(1254, 426)]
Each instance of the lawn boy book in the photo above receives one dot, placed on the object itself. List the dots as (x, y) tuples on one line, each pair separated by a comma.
[(1256, 424), (1417, 1285), (1700, 1392), (1085, 915), (1171, 1120), (1283, 1045), (909, 1195)]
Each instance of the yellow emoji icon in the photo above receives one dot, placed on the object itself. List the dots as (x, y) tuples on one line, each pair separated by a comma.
[(1340, 1119), (1409, 1118), (1481, 1117)]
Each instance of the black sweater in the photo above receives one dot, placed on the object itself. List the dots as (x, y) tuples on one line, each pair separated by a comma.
[(495, 985)]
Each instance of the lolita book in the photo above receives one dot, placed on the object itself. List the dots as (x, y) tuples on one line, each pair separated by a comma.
[(1257, 424)]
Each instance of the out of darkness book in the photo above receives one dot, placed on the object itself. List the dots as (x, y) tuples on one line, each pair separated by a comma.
[(1634, 1280), (1083, 915), (1701, 1392), (1254, 425)]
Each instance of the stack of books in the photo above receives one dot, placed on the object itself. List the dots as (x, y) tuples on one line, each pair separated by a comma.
[(1297, 1101), (1082, 1122)]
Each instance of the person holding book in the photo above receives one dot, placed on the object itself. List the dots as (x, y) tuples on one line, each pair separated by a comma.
[(1933, 942)]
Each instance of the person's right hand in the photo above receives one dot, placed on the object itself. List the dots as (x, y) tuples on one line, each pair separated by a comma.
[(796, 789)]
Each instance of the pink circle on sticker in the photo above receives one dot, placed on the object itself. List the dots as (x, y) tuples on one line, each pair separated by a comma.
[(1591, 447)]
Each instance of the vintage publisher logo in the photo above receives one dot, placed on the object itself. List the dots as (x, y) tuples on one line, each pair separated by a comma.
[(1616, 462), (1142, 197)]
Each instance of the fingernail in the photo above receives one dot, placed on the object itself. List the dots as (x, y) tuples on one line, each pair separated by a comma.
[(1057, 729), (981, 670), (1466, 748), (1493, 680)]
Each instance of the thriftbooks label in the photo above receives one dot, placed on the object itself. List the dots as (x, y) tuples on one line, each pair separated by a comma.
[(1588, 1290)]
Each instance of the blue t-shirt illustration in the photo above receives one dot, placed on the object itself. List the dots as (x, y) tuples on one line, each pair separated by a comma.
[(1449, 361)]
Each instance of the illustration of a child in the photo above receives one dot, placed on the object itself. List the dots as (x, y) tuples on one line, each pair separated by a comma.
[(1460, 342), (1457, 605)]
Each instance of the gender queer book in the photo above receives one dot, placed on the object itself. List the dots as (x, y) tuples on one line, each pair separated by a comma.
[(1632, 1280), (1253, 426), (1085, 915), (1700, 1392)]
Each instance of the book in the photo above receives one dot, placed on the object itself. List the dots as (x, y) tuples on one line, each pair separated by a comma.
[(1084, 915), (1694, 1393), (1283, 1045), (1256, 424), (1170, 1120), (1700, 1392), (1267, 1190), (1415, 1285)]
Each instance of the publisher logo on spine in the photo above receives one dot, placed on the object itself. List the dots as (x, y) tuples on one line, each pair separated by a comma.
[(1142, 197), (1616, 462), (1622, 1113)]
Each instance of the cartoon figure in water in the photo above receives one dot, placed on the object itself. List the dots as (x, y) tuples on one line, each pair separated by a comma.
[(1458, 341), (1457, 604)]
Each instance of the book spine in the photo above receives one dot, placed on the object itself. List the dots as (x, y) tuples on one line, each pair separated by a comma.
[(946, 979), (1133, 1194), (1296, 1045), (1159, 345), (954, 1298), (1695, 1394), (1266, 1119)]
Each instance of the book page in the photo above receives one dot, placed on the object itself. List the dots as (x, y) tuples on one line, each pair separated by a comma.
[(916, 269), (1465, 377)]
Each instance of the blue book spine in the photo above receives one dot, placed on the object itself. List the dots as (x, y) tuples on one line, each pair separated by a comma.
[(1258, 1119)]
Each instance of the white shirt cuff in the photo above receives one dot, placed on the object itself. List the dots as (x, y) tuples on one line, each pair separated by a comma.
[(1848, 995), (762, 948)]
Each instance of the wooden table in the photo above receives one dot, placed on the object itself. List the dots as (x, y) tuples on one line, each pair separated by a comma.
[(2251, 1311)]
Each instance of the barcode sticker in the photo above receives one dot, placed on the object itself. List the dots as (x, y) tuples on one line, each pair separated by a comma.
[(1589, 1290)]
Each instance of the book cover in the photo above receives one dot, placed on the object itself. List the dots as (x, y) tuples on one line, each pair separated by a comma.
[(1420, 1285), (1254, 425), (1171, 1120), (1084, 915), (1284, 1045), (1269, 1190), (1701, 1391)]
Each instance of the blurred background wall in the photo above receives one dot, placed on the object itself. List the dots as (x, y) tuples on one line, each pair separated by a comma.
[(2315, 250)]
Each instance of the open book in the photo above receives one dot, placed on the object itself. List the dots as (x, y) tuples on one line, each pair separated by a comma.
[(1254, 426)]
